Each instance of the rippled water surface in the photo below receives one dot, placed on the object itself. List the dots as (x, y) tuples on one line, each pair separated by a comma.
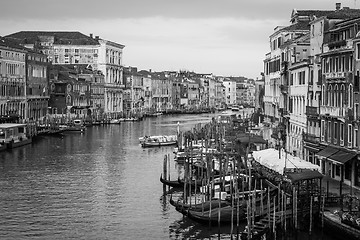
[(97, 185)]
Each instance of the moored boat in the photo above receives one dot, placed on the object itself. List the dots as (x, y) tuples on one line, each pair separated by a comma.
[(342, 224), (171, 183), (114, 121), (76, 125), (158, 141), (14, 135)]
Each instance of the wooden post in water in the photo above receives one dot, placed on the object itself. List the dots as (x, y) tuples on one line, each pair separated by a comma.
[(311, 214), (268, 204), (165, 167), (285, 209), (322, 211), (296, 212), (168, 167), (221, 188), (261, 198), (274, 223), (237, 198)]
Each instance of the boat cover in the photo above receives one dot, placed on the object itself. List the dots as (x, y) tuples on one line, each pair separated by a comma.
[(270, 159)]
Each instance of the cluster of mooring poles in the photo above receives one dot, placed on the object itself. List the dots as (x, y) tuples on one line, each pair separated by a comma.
[(222, 185)]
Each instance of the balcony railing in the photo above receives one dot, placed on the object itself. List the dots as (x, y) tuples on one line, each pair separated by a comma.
[(284, 88), (311, 138), (312, 111), (333, 111), (336, 44), (333, 75)]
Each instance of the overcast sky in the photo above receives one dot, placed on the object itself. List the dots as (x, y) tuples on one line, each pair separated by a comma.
[(223, 37)]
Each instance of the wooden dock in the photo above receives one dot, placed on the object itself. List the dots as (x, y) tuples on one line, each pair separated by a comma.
[(266, 223)]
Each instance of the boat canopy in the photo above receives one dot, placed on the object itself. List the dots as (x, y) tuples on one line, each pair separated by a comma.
[(270, 159)]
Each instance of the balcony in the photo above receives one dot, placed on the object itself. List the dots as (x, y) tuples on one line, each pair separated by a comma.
[(335, 75), (311, 138), (333, 111), (312, 111), (284, 89), (337, 44)]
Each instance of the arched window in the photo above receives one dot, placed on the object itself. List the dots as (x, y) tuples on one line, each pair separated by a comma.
[(336, 96), (330, 103), (68, 100), (350, 97), (342, 95)]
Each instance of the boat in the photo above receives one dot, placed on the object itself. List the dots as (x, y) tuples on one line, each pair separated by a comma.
[(343, 224), (114, 121), (77, 125), (3, 147), (158, 141), (14, 135), (226, 214), (131, 119), (171, 183), (199, 207)]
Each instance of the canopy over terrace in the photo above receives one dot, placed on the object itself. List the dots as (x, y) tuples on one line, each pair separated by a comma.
[(271, 159)]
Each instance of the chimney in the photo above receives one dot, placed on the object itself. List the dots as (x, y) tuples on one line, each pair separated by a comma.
[(91, 35), (96, 37), (338, 6)]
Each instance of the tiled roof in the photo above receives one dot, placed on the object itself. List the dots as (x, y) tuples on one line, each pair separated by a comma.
[(302, 25), (317, 13), (71, 38), (345, 13), (11, 44)]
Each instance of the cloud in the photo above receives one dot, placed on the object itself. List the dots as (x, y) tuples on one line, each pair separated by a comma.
[(112, 9), (228, 37)]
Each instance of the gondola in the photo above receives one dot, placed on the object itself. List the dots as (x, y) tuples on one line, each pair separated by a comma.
[(199, 207), (171, 183), (227, 214), (193, 183)]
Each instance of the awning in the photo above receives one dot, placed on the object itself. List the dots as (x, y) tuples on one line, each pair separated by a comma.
[(304, 175), (342, 156), (246, 138), (328, 151), (312, 147)]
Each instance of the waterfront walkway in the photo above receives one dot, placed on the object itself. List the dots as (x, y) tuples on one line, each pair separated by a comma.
[(334, 187)]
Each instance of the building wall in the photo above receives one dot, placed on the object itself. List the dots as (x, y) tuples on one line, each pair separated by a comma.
[(13, 81), (37, 87), (230, 91), (110, 63)]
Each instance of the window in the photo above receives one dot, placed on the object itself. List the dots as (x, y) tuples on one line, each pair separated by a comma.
[(341, 134), (329, 93), (356, 138), (350, 96), (337, 170), (329, 131), (358, 51), (335, 132), (342, 94), (322, 130), (321, 27), (350, 135), (336, 91)]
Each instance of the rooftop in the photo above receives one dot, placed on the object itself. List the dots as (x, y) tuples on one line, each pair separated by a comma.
[(71, 38)]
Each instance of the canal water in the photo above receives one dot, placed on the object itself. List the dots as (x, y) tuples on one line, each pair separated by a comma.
[(96, 185)]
